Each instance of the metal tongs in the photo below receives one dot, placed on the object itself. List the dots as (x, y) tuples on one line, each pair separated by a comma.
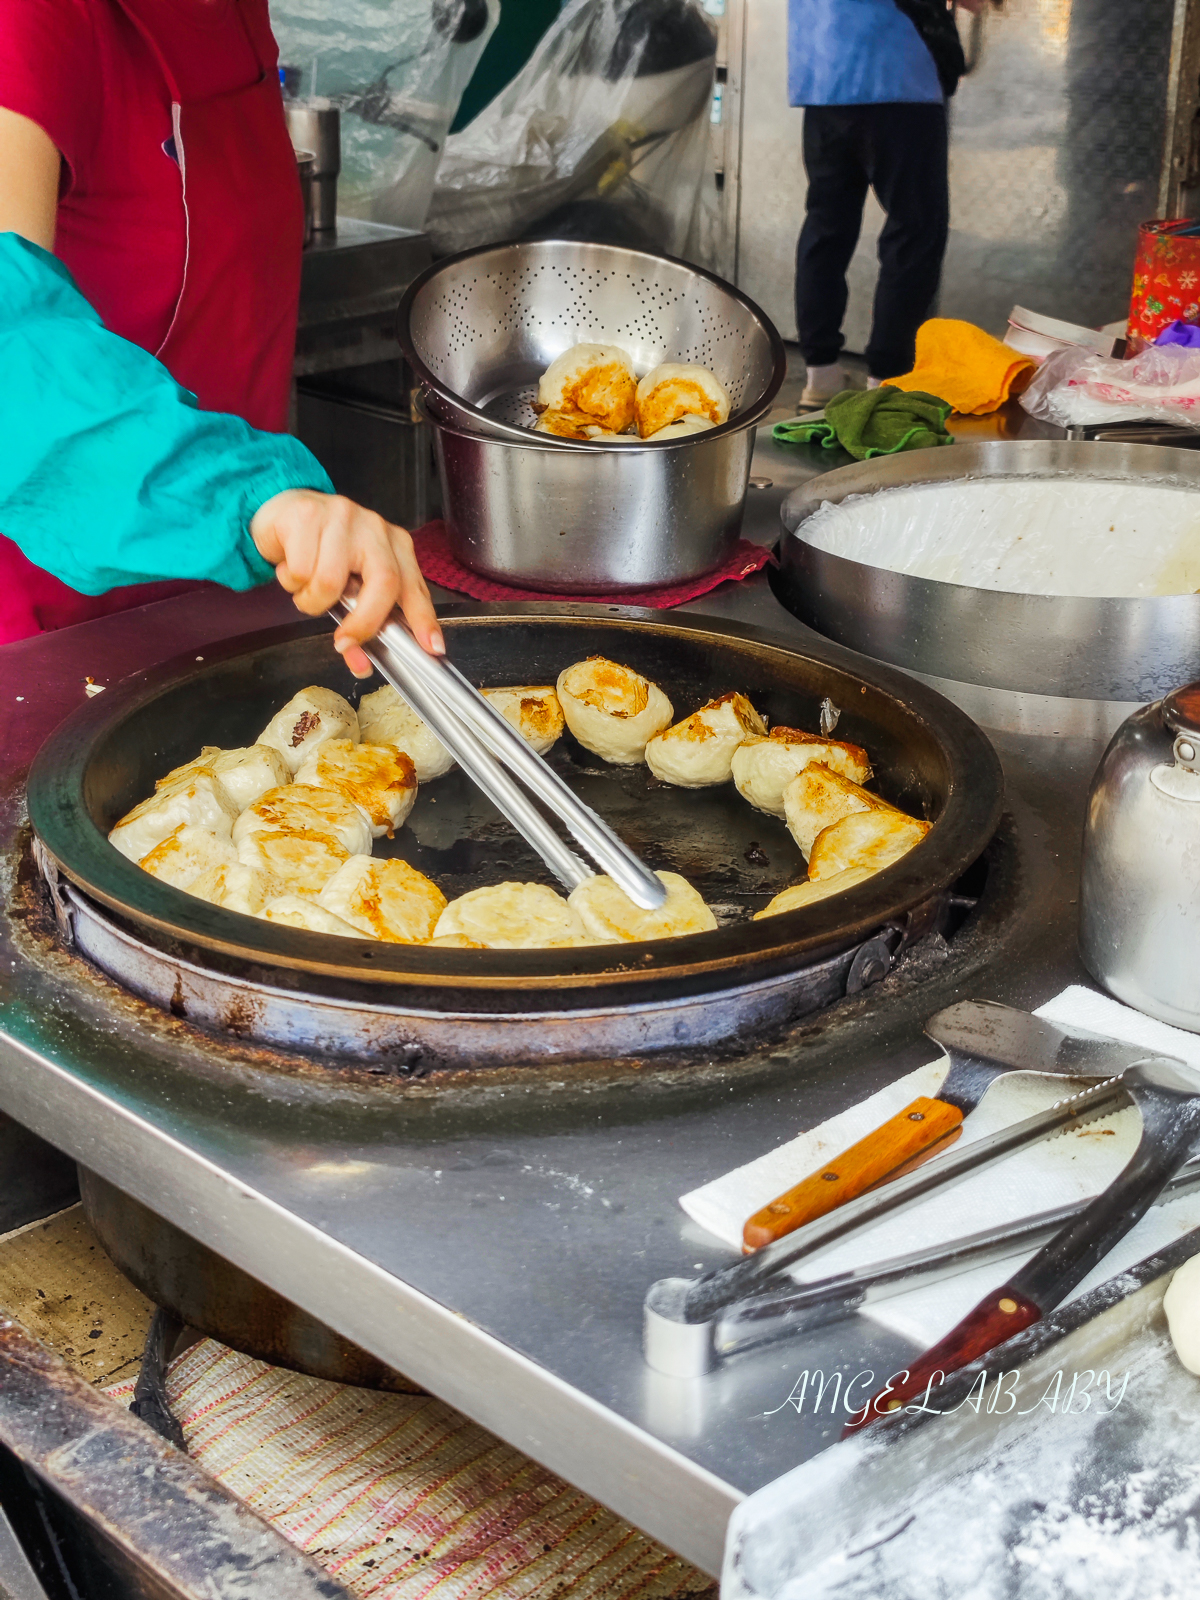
[(483, 744)]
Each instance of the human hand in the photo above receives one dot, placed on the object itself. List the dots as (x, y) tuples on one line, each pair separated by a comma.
[(316, 541)]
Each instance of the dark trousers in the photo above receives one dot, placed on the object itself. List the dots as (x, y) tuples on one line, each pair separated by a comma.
[(900, 151)]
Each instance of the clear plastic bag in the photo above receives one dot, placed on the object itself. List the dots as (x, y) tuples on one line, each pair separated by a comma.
[(603, 134), (397, 70), (1072, 388)]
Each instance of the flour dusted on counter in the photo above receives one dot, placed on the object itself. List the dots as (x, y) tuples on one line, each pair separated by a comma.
[(1063, 536)]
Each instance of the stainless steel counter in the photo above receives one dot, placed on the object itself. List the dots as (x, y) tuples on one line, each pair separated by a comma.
[(495, 1242)]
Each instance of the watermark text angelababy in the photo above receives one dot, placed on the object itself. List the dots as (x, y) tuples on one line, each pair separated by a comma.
[(994, 1394)]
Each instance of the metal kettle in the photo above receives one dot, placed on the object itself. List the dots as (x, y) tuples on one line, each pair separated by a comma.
[(1139, 909)]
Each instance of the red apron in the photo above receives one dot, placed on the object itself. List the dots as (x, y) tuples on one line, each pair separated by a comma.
[(232, 337)]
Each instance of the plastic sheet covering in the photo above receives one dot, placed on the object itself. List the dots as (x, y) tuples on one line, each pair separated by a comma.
[(1061, 535), (397, 70), (603, 135), (1073, 388)]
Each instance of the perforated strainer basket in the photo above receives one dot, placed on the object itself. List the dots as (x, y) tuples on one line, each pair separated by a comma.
[(479, 329), (584, 517)]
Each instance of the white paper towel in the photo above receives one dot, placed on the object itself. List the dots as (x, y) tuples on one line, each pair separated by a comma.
[(1068, 1169)]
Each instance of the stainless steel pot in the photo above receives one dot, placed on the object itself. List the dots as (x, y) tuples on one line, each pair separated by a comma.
[(1077, 647), (315, 125), (1139, 909), (601, 521)]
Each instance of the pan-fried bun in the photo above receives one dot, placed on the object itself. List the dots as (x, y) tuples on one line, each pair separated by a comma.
[(807, 894), (871, 839), (611, 917), (200, 801), (295, 912), (698, 751), (308, 718), (238, 888), (303, 860), (763, 768), (534, 712), (185, 854), (612, 710), (387, 899), (377, 778), (244, 773), (385, 718), (673, 391), (685, 426), (590, 383), (302, 807), (817, 798), (513, 916)]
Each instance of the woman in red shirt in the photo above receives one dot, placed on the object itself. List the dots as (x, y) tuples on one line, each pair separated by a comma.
[(143, 142)]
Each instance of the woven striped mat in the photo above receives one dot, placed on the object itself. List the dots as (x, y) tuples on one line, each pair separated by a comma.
[(399, 1497)]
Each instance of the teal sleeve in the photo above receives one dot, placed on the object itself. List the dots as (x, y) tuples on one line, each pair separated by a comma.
[(110, 474)]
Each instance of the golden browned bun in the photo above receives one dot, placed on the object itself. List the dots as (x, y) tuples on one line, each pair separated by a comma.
[(387, 899), (806, 894), (379, 779), (296, 912), (698, 751), (301, 859), (513, 916), (590, 384), (385, 718), (238, 888), (244, 774), (612, 710), (534, 712), (674, 391), (817, 798), (309, 717), (870, 839), (187, 853), (763, 768), (199, 801), (611, 917), (303, 808)]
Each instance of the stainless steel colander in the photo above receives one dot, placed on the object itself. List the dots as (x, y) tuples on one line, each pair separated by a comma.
[(583, 517), (480, 328)]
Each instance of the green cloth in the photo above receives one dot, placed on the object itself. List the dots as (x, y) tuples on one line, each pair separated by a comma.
[(873, 422)]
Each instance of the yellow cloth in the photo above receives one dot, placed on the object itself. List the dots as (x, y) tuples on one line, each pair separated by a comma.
[(960, 363)]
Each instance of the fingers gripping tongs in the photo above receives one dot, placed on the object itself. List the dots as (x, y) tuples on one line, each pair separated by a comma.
[(484, 744)]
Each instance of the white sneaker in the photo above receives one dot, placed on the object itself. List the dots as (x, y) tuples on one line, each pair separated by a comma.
[(822, 383)]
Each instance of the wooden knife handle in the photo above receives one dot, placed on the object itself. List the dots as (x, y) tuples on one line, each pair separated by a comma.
[(910, 1133), (1002, 1314)]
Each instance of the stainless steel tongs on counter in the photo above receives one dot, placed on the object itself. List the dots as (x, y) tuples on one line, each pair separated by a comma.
[(484, 744)]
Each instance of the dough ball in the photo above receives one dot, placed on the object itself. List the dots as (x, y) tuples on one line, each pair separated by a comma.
[(513, 916), (870, 839), (294, 912), (387, 899), (185, 854), (305, 809), (245, 774), (807, 894), (386, 718), (612, 710), (698, 751), (377, 778), (763, 768), (303, 862), (685, 427), (200, 801), (309, 717), (673, 391), (1182, 1306), (533, 711), (610, 916), (590, 384), (235, 887), (817, 798)]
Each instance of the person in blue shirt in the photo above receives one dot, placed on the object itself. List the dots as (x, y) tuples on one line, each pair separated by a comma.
[(873, 76)]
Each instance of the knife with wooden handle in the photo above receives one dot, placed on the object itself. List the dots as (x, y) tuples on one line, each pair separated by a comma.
[(984, 1041), (1166, 1093)]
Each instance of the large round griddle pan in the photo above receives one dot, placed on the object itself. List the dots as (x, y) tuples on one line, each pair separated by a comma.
[(929, 758)]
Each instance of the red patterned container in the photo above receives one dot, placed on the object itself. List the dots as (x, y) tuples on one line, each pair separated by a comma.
[(1166, 279)]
